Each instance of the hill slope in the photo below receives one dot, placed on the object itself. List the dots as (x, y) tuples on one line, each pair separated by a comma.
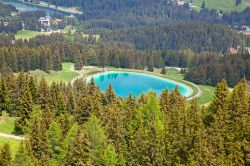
[(225, 5)]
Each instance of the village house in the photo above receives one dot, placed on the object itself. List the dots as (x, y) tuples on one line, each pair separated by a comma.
[(233, 50), (45, 21)]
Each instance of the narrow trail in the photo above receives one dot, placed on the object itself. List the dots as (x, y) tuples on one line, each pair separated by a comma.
[(80, 72), (12, 136)]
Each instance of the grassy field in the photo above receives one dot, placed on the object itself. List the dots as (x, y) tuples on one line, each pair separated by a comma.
[(6, 124), (14, 144), (97, 37), (66, 75), (27, 34), (224, 5)]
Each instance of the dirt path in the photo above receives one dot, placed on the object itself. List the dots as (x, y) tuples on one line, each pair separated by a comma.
[(80, 72), (12, 136)]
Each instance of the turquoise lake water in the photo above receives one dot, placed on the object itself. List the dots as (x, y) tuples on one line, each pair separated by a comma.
[(30, 7), (125, 82)]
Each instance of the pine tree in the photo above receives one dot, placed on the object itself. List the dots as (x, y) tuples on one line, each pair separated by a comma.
[(238, 2), (44, 97), (110, 156), (22, 157), (5, 156), (55, 147), (220, 97), (33, 88), (165, 101), (78, 153), (110, 94), (163, 70), (57, 66), (203, 6), (5, 98), (98, 140), (25, 108)]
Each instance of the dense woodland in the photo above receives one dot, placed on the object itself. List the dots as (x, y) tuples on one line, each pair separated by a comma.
[(194, 36), (80, 125)]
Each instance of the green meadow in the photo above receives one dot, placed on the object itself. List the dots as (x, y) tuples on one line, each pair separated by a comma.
[(224, 5), (27, 34), (66, 75)]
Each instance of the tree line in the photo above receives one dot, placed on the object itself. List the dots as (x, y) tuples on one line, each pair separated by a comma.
[(80, 125), (195, 36)]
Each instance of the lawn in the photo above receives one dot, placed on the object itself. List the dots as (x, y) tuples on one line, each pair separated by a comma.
[(86, 36), (27, 34), (224, 5), (6, 124), (66, 75), (14, 144)]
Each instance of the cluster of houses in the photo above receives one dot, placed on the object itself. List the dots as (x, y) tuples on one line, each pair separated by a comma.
[(47, 22), (182, 3)]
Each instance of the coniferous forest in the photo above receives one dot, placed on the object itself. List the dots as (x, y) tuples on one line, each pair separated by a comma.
[(76, 123), (80, 125)]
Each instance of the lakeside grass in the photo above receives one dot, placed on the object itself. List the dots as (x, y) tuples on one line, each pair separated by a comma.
[(66, 75), (27, 34), (224, 5), (171, 73)]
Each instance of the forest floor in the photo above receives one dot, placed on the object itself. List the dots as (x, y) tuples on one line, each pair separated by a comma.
[(224, 5)]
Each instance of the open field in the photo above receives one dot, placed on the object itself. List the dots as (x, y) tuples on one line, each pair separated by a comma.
[(86, 36), (27, 34), (6, 124), (224, 5), (66, 75), (14, 144)]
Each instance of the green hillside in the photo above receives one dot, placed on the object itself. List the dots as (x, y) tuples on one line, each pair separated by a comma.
[(225, 5)]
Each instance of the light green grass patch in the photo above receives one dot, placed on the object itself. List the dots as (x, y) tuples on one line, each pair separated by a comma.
[(7, 124), (66, 75), (86, 36), (27, 34), (224, 5), (14, 144)]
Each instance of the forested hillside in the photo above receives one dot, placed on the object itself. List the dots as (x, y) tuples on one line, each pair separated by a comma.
[(80, 125), (195, 36)]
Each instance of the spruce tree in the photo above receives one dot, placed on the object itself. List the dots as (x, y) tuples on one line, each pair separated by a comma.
[(5, 98), (110, 156), (25, 108), (78, 153), (163, 70), (97, 139), (55, 147), (5, 156)]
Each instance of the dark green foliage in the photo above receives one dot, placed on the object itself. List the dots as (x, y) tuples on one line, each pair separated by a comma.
[(163, 70), (103, 129), (78, 153)]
